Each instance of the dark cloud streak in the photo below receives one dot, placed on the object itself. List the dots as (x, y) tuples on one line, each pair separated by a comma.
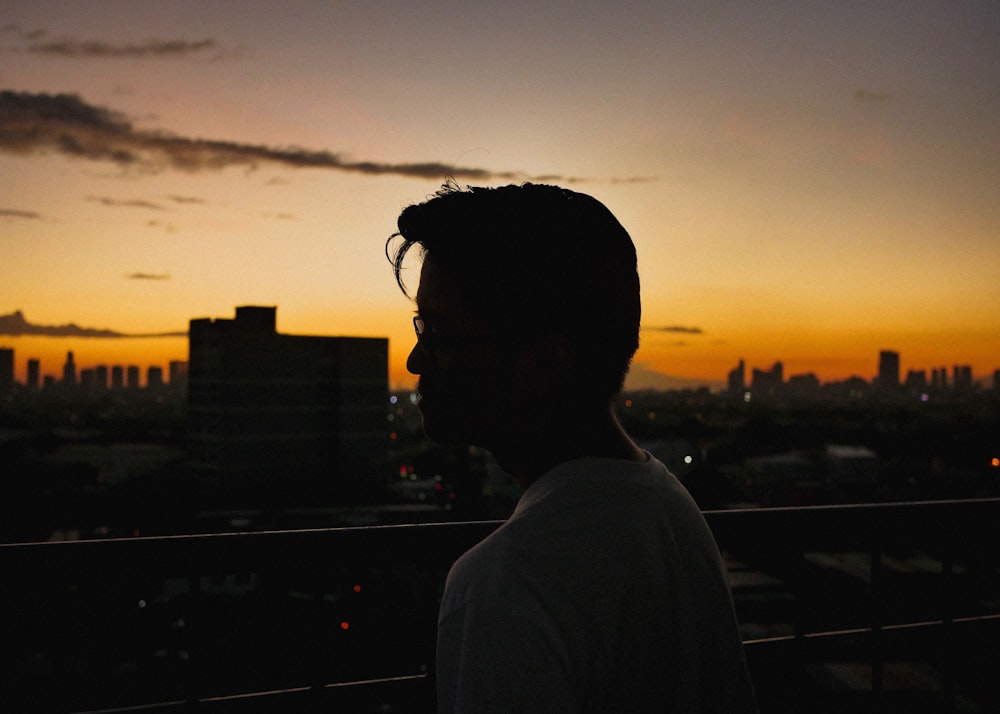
[(151, 48), (117, 203), (148, 276), (65, 123), (14, 213), (676, 329)]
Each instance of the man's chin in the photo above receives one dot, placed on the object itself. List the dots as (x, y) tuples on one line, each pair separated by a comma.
[(441, 431), (446, 427)]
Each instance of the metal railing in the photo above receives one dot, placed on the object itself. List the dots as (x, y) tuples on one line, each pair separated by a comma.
[(891, 607)]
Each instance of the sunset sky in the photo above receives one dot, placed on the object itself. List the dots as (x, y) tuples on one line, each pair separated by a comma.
[(805, 181)]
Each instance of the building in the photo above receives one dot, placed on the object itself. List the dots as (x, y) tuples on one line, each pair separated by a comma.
[(34, 374), (154, 377), (767, 383), (287, 418), (6, 369), (737, 380), (69, 370), (888, 369)]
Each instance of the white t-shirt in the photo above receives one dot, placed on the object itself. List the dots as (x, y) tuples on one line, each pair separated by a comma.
[(603, 592)]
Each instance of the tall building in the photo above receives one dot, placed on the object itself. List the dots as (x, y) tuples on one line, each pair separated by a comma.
[(767, 383), (295, 419), (962, 377), (69, 370), (154, 377), (6, 369), (888, 369), (34, 374), (117, 377), (132, 376), (737, 379)]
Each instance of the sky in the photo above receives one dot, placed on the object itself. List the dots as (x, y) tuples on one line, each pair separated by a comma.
[(805, 181)]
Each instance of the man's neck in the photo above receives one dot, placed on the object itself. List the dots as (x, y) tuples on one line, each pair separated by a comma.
[(553, 440)]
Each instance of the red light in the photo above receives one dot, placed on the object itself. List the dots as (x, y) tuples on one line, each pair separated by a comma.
[(345, 625), (995, 462), (357, 588)]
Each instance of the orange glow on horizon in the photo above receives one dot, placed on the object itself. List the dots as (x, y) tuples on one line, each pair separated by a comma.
[(709, 363)]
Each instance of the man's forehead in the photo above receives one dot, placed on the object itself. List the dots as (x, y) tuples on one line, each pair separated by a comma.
[(436, 291)]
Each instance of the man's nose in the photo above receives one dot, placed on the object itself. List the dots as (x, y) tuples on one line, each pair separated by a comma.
[(415, 361)]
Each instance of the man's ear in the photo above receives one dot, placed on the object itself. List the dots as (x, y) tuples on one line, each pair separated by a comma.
[(545, 365)]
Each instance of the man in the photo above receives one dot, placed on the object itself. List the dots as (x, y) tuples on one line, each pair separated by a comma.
[(604, 591)]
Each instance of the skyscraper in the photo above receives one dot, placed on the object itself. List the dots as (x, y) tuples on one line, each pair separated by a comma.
[(69, 370), (888, 369), (737, 379), (6, 369), (34, 374)]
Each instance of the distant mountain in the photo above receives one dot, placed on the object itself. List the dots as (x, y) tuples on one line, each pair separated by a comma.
[(16, 325), (641, 377)]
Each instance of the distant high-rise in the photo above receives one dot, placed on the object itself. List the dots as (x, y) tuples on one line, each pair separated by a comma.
[(6, 369), (117, 377), (69, 370), (916, 379), (962, 377), (132, 376), (768, 382), (34, 374), (888, 369), (101, 376), (737, 379), (154, 377), (290, 417)]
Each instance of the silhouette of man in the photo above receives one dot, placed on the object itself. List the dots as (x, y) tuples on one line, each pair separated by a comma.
[(605, 590)]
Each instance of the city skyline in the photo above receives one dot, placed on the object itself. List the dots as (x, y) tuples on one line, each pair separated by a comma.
[(934, 374), (811, 182)]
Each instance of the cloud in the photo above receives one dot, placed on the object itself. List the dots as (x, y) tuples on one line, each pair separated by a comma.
[(150, 48), (16, 325), (676, 329), (863, 95), (148, 276), (186, 199), (64, 123), (117, 203), (37, 43), (14, 213)]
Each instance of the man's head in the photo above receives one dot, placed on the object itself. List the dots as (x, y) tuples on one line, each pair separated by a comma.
[(524, 272)]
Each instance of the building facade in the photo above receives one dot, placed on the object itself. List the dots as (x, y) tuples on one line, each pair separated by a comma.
[(294, 419)]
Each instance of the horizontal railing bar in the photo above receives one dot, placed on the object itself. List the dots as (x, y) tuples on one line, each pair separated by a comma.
[(903, 626)]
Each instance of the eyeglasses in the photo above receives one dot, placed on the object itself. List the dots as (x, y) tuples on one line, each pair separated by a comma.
[(419, 326), (427, 332)]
